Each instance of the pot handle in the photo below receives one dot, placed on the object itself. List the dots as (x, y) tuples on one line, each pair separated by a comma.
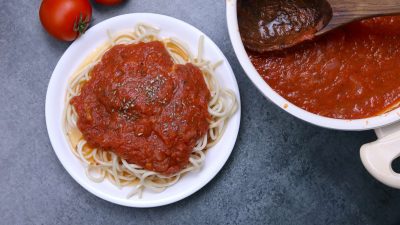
[(378, 156)]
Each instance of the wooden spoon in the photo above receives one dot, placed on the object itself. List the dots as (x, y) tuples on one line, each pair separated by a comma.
[(270, 25), (346, 11)]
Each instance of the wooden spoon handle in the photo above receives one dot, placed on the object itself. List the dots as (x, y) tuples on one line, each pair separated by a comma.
[(346, 11)]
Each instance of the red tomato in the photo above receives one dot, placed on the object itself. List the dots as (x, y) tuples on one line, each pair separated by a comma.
[(108, 2), (65, 19)]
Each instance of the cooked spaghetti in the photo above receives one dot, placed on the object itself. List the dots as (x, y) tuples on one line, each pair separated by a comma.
[(103, 164)]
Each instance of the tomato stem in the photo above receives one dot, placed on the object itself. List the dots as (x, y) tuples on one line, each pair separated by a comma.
[(81, 24)]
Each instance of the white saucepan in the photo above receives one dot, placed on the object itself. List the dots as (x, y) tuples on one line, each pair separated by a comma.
[(377, 157)]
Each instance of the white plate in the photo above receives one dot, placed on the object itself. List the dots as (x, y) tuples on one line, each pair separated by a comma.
[(72, 58)]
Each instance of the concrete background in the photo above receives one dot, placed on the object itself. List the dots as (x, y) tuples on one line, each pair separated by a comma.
[(282, 170)]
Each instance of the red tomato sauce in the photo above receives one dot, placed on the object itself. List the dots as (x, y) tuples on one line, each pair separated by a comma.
[(350, 73), (143, 107)]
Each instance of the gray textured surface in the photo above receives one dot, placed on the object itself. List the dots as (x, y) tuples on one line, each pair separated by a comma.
[(282, 170)]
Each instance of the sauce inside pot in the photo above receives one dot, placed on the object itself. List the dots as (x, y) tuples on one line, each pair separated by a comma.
[(350, 73)]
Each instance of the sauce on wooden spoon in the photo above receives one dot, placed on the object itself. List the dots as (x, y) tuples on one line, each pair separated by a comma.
[(268, 25)]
